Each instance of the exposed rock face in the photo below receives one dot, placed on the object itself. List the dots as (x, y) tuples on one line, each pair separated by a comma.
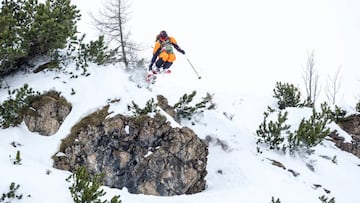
[(46, 113), (164, 104), (350, 125), (145, 155)]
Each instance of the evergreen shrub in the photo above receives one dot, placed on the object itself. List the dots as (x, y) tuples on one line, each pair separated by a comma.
[(287, 94), (85, 188), (12, 109), (29, 29)]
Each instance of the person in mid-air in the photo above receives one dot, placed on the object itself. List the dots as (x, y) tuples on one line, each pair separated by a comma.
[(164, 52)]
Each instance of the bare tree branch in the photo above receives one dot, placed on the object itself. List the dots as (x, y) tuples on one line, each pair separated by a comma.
[(333, 86), (311, 80), (112, 23)]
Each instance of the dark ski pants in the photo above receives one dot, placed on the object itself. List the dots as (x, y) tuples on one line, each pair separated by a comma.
[(165, 65)]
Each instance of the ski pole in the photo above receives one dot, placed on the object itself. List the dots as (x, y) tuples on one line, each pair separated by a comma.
[(199, 77)]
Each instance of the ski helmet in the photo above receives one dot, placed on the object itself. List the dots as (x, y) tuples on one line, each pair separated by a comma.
[(163, 34)]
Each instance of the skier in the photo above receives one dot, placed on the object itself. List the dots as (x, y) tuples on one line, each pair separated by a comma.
[(163, 50)]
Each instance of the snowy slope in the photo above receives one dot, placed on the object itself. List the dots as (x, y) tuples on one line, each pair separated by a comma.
[(236, 172)]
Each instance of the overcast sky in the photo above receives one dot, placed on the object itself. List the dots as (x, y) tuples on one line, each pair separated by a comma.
[(257, 42)]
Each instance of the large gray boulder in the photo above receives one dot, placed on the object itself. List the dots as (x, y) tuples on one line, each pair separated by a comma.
[(145, 155), (46, 113)]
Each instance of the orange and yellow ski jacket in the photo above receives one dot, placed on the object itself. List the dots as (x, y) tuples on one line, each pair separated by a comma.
[(164, 46)]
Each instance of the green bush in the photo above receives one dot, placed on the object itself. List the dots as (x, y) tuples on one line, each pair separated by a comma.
[(335, 115), (324, 199), (287, 94), (271, 132), (12, 47), (275, 201), (85, 188), (357, 107), (12, 109), (310, 132), (17, 160), (185, 110), (94, 51), (9, 196), (150, 107), (29, 29)]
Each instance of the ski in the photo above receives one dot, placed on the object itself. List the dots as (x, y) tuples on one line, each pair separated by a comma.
[(150, 77)]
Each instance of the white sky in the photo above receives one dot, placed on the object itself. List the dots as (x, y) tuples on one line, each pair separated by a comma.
[(255, 42)]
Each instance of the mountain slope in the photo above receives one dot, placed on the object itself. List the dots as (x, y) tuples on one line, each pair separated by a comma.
[(236, 171)]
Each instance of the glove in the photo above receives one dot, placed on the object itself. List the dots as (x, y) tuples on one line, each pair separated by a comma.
[(182, 51), (150, 66)]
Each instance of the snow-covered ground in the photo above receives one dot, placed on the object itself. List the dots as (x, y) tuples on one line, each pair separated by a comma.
[(236, 173)]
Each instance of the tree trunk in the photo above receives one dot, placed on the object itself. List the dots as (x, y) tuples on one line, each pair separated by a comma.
[(122, 41)]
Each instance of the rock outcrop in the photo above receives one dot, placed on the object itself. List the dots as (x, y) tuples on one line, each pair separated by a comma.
[(46, 113), (144, 154), (164, 104), (351, 125)]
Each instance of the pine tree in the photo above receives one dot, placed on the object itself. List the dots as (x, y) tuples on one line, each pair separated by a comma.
[(287, 94), (11, 49), (271, 132), (150, 107), (185, 110), (310, 132), (53, 23), (12, 109), (86, 188), (29, 29)]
